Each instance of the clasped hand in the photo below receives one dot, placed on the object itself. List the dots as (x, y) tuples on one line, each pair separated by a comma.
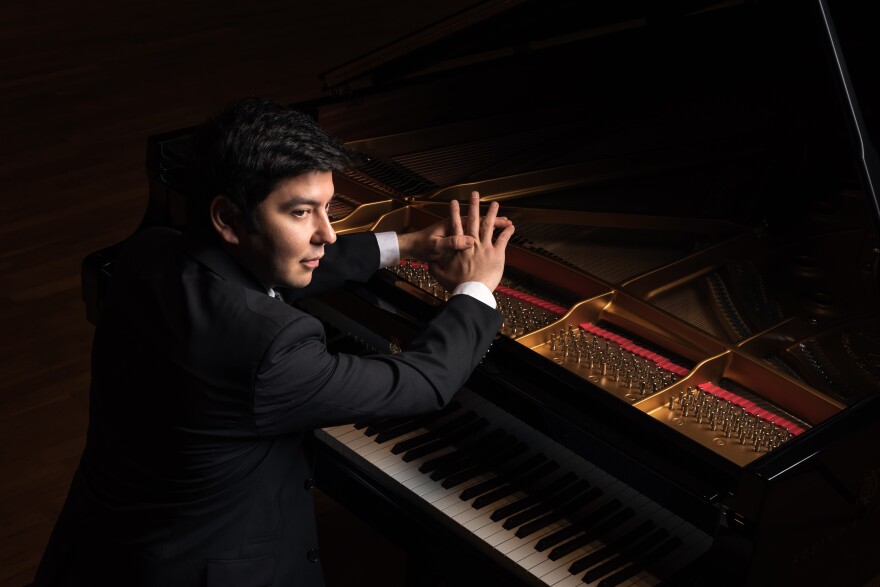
[(462, 249)]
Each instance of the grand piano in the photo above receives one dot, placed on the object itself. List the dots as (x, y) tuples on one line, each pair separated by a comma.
[(685, 387)]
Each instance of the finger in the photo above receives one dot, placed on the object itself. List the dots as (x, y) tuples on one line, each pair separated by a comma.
[(487, 227), (502, 221), (504, 236), (461, 242), (451, 244), (455, 217), (474, 215)]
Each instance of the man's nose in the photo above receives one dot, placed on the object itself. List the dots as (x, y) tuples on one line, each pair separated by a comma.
[(324, 233)]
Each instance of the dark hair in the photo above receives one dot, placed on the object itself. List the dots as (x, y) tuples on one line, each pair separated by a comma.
[(247, 149)]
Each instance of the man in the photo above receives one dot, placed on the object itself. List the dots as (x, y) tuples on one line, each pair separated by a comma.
[(206, 387)]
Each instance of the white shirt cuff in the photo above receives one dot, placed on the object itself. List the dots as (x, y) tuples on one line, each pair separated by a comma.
[(389, 250), (389, 254), (478, 290)]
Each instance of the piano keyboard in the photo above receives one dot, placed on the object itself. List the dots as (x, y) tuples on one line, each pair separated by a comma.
[(529, 503)]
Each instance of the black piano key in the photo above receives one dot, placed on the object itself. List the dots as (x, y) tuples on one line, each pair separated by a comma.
[(445, 440), (431, 435), (514, 485), (467, 454), (486, 450), (387, 424), (423, 450), (592, 534), (438, 466), (409, 425), (361, 425), (483, 464), (547, 503), (578, 525), (644, 561), (503, 477), (454, 475), (435, 424), (417, 422), (434, 430), (605, 568), (400, 430), (626, 556), (614, 547), (557, 514), (516, 507)]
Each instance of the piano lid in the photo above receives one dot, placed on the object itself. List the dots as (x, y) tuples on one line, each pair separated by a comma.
[(860, 90), (518, 32)]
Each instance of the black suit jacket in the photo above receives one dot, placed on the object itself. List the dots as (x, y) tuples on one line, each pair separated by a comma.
[(205, 392)]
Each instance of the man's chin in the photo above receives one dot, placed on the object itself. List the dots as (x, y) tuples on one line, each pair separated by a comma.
[(298, 281)]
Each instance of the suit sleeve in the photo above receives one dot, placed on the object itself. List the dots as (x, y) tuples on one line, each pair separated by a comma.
[(353, 257), (301, 385)]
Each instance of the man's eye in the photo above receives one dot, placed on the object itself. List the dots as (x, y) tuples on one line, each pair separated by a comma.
[(300, 213)]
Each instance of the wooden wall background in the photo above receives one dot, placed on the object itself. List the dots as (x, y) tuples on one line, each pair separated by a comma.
[(82, 85)]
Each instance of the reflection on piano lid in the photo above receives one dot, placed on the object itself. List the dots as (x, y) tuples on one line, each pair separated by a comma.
[(691, 297)]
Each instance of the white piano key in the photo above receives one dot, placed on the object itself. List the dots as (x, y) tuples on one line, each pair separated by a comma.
[(484, 522), (350, 435), (444, 492), (525, 553), (379, 451), (514, 542), (336, 431), (456, 508), (360, 442), (501, 536), (402, 470), (450, 500), (570, 581), (467, 515), (554, 571)]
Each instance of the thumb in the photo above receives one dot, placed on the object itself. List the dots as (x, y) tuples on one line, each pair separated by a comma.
[(501, 240), (450, 244)]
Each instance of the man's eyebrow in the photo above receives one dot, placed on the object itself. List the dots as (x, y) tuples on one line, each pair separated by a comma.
[(301, 201)]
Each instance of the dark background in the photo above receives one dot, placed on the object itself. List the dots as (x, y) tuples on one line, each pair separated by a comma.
[(82, 85)]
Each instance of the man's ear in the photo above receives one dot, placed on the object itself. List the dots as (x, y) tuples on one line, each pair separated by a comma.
[(224, 218)]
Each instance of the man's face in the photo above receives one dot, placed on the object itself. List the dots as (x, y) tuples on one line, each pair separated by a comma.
[(292, 229)]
